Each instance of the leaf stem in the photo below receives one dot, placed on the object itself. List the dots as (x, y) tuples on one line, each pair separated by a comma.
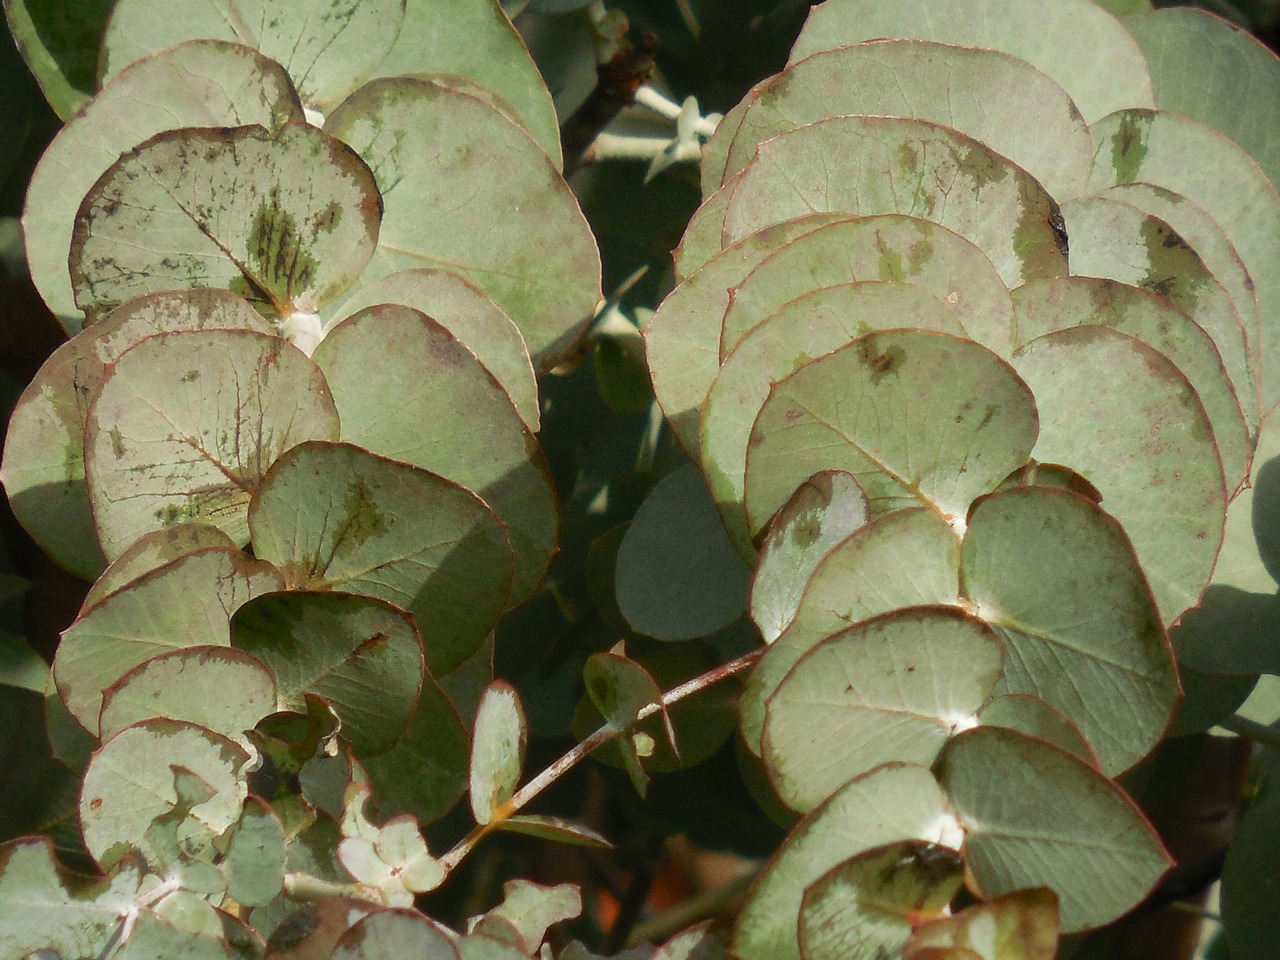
[(1258, 732), (579, 752)]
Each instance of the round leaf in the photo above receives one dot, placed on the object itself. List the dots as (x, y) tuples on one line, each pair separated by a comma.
[(891, 247), (497, 750), (150, 552), (704, 236), (1077, 43), (1128, 421), (203, 83), (186, 424), (1017, 926), (880, 410), (1070, 828), (341, 647), (394, 933), (255, 860), (289, 219), (428, 379), (185, 603), (335, 517), (677, 574), (1035, 718), (453, 163), (892, 688), (873, 165), (328, 47), (957, 86)]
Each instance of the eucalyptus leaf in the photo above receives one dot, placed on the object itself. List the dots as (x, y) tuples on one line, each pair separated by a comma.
[(554, 828), (879, 410), (1017, 926), (202, 83), (394, 933), (428, 377), (497, 750), (704, 236), (1246, 875), (957, 86), (43, 467), (255, 859), (59, 40), (889, 248), (1137, 431), (454, 162), (1077, 43), (1034, 717), (327, 47), (333, 516), (287, 219), (342, 647), (1071, 829), (195, 419), (150, 552), (531, 908), (187, 602), (892, 688)]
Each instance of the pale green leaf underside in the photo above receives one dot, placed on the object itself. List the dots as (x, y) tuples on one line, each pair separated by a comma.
[(1035, 718), (328, 46), (44, 450), (186, 425), (1075, 42), (497, 750), (204, 83), (959, 87), (426, 377), (874, 165), (335, 517), (466, 189), (394, 933), (1072, 829), (186, 603), (890, 689), (289, 219), (704, 236), (150, 552)]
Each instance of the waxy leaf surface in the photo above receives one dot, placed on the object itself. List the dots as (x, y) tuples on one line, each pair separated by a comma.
[(394, 933), (497, 750), (59, 41), (151, 552), (1017, 926), (287, 219), (186, 425), (336, 517)]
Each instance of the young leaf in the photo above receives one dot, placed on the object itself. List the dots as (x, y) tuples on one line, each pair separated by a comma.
[(554, 828), (1080, 45), (497, 750), (186, 424), (426, 377), (868, 906), (1071, 828), (336, 517), (463, 162), (287, 219), (203, 83), (677, 574), (339, 646), (878, 410), (894, 688), (392, 861), (924, 170), (185, 603), (823, 511), (531, 908)]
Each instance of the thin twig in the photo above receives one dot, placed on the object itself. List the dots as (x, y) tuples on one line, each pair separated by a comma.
[(1258, 732), (579, 752)]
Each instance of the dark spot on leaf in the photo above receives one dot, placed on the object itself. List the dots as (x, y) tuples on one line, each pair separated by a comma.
[(881, 364), (191, 376), (95, 803)]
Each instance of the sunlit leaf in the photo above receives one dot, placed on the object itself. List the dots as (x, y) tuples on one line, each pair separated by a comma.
[(1035, 718), (327, 47), (1017, 926), (869, 904), (59, 40), (362, 655), (456, 162), (335, 517), (893, 688), (185, 603), (1135, 429), (531, 908), (469, 314), (288, 219), (497, 750), (682, 340), (1077, 43), (883, 410), (133, 780), (704, 236), (823, 511), (956, 86), (1071, 829), (203, 83), (554, 828), (186, 424), (394, 933), (255, 858), (312, 930), (150, 552), (43, 467), (809, 326), (893, 803), (677, 574), (890, 247), (876, 165), (224, 690), (427, 377)]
